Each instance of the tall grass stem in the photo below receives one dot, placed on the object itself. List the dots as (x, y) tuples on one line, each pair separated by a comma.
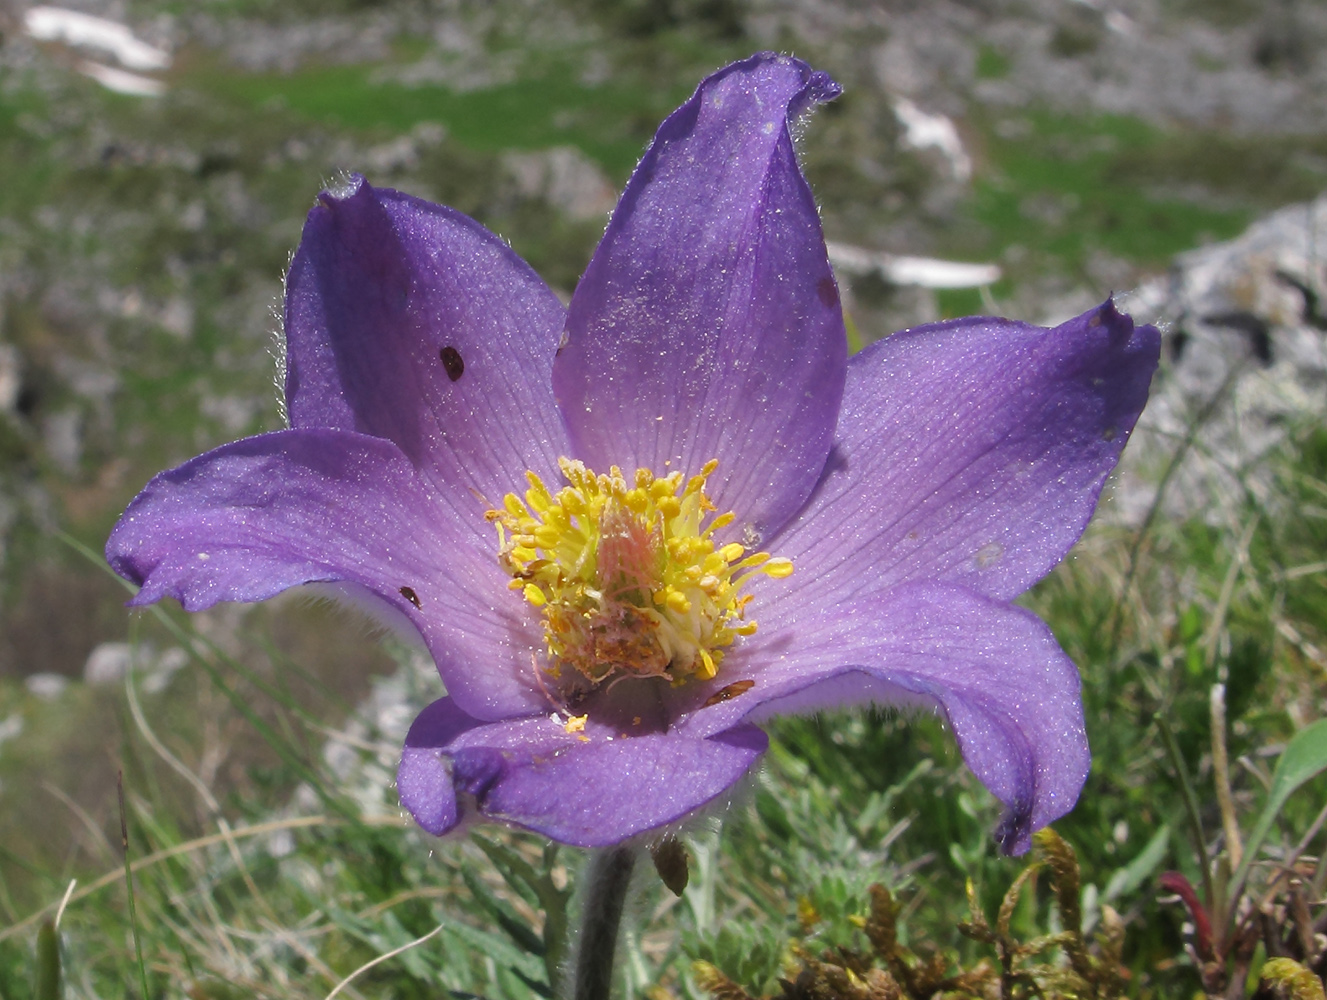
[(129, 884), (1190, 806)]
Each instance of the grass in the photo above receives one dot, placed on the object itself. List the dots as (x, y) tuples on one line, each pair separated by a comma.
[(534, 112), (233, 896), (1070, 186), (259, 871)]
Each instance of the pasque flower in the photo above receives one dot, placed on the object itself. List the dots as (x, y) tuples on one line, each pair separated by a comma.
[(630, 529)]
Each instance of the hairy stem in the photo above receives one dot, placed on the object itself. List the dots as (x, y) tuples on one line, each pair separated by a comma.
[(606, 882)]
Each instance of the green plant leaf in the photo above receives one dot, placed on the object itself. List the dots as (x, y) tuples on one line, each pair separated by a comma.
[(1304, 758)]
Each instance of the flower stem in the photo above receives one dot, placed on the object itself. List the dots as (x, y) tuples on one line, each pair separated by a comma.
[(606, 880)]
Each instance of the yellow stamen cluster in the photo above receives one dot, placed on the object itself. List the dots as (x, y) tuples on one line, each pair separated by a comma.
[(626, 572)]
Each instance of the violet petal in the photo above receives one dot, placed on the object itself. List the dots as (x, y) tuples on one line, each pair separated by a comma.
[(994, 670), (589, 788), (255, 517), (972, 452), (708, 322), (411, 322)]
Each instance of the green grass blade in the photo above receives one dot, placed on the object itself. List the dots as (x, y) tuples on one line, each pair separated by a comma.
[(48, 963), (1190, 806), (129, 886)]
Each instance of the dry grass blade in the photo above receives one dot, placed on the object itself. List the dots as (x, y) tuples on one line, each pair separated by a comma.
[(197, 844)]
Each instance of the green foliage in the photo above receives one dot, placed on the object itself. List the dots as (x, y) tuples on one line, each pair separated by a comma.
[(1074, 967), (1304, 758), (992, 64), (1066, 187), (266, 876)]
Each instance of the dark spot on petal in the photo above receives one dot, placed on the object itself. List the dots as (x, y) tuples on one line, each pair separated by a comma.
[(1109, 433), (410, 596), (828, 292), (729, 692), (451, 360)]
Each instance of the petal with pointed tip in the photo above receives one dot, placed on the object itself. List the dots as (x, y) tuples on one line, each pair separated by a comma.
[(411, 322), (261, 515), (971, 452), (708, 322)]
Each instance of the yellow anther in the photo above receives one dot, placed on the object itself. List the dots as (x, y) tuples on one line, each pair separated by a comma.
[(570, 500), (626, 573), (708, 668), (677, 600), (731, 552), (576, 724)]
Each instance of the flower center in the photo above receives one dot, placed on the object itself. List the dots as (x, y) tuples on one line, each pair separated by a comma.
[(626, 572)]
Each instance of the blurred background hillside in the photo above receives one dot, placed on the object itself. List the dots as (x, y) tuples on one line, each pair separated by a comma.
[(153, 185)]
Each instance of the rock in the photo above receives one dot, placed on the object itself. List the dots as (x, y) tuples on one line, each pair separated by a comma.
[(161, 669), (1244, 362), (566, 179), (46, 686), (108, 663), (11, 727)]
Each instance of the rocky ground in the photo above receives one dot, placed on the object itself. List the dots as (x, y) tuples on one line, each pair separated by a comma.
[(1076, 148)]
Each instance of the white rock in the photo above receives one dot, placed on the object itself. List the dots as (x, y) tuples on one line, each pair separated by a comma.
[(1243, 354), (56, 24), (922, 130), (923, 272), (108, 663), (46, 686), (11, 727), (163, 668), (121, 81)]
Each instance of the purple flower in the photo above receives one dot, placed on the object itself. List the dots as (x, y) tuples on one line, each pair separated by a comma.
[(805, 530)]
